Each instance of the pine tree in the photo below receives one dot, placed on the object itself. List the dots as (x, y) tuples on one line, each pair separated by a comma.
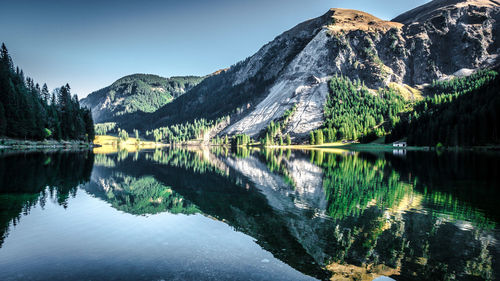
[(5, 58), (45, 93), (89, 125), (319, 137), (3, 120)]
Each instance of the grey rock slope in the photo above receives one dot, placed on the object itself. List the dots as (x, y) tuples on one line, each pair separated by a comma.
[(446, 36), (431, 42)]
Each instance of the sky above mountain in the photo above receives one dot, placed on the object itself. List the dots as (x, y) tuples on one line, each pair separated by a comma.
[(89, 44)]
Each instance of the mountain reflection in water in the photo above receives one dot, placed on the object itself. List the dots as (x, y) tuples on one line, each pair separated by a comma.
[(324, 214)]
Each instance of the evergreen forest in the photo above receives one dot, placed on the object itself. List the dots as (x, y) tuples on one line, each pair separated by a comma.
[(458, 112), (30, 111)]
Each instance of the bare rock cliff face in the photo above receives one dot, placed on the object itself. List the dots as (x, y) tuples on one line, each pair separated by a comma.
[(444, 37), (431, 42)]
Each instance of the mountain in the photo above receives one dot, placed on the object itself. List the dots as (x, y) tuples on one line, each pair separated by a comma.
[(439, 40), (137, 92)]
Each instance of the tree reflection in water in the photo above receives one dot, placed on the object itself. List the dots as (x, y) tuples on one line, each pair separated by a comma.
[(28, 179), (348, 215)]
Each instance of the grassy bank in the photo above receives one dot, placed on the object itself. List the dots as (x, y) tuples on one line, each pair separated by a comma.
[(110, 144)]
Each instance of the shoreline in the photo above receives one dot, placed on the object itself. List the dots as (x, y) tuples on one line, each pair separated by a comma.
[(379, 147), (13, 144), (353, 146)]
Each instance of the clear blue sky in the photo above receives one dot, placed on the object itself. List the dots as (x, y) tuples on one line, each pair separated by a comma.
[(90, 44)]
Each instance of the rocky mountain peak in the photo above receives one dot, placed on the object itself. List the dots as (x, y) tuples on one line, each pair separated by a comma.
[(345, 20)]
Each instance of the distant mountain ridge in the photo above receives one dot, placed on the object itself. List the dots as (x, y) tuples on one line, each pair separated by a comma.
[(138, 92)]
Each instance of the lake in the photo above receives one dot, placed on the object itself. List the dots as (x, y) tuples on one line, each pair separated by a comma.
[(176, 214)]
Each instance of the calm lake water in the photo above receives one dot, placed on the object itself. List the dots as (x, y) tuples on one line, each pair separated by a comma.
[(174, 214)]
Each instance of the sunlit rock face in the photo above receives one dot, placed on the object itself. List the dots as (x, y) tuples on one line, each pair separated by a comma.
[(303, 82)]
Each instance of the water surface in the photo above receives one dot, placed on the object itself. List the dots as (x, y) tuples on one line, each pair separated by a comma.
[(176, 214)]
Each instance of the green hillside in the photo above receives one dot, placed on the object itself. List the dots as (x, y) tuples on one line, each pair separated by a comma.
[(137, 93), (352, 111)]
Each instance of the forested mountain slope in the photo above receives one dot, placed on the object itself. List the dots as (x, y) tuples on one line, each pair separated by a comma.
[(460, 112), (137, 92)]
